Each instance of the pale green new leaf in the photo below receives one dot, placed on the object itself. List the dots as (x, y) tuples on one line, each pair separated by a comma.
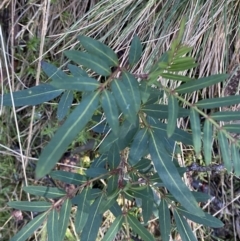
[(64, 104), (90, 230), (164, 220), (170, 176), (124, 100), (139, 229), (76, 83), (207, 141), (207, 220), (64, 218), (114, 228), (75, 122), (101, 50), (224, 147), (133, 89), (196, 130), (135, 50), (68, 177), (32, 96), (173, 109), (138, 146), (183, 227), (77, 71), (52, 226), (29, 229), (200, 83), (226, 115), (90, 61), (218, 102), (235, 159), (176, 77), (83, 207), (110, 110), (47, 192), (33, 206)]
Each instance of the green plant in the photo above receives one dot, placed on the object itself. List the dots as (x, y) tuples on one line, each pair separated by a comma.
[(135, 119)]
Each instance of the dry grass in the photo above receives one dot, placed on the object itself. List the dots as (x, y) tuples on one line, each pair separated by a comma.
[(36, 30)]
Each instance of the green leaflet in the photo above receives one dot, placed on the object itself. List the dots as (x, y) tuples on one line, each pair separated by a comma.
[(32, 96), (234, 128), (64, 104), (226, 115), (176, 77), (52, 226), (139, 228), (207, 220), (68, 177), (135, 50), (183, 227), (138, 146), (77, 71), (101, 50), (218, 102), (83, 208), (93, 223), (64, 218), (90, 61), (96, 172), (196, 130), (76, 83), (224, 147), (164, 220), (235, 159), (114, 156), (29, 229), (75, 122), (47, 192), (170, 176), (110, 110), (201, 83), (207, 141), (172, 114), (33, 206), (114, 228)]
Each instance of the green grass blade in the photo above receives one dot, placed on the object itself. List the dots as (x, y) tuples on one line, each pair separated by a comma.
[(172, 115), (114, 228), (75, 122), (64, 218), (101, 50), (33, 96), (196, 130), (183, 227), (47, 192), (90, 61), (52, 226), (164, 220), (207, 141), (235, 159), (200, 83), (139, 229), (218, 102), (33, 206), (170, 176), (135, 50), (224, 147), (139, 143), (64, 104), (29, 229), (110, 110)]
